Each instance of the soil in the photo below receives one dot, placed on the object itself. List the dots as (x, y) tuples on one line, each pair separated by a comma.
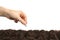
[(29, 35)]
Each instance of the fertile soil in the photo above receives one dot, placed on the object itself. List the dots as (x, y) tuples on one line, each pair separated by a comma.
[(29, 35)]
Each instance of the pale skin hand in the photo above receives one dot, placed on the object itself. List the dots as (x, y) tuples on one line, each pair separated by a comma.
[(14, 15)]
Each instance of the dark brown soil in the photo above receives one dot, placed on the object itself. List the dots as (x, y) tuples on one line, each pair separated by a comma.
[(29, 35)]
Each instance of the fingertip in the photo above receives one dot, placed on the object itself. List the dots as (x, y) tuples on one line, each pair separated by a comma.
[(16, 21), (24, 23)]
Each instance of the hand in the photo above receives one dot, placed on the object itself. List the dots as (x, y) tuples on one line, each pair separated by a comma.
[(17, 16), (13, 15)]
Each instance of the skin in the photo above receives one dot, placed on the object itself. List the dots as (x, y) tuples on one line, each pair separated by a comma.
[(13, 15)]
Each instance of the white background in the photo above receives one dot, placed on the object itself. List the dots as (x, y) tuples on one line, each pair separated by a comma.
[(41, 14)]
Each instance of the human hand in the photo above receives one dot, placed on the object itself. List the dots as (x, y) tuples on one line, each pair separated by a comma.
[(13, 15), (17, 16)]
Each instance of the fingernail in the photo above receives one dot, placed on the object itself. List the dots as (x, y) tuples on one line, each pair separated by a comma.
[(25, 25)]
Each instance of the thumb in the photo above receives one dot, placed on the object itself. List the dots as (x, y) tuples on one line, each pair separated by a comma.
[(22, 21)]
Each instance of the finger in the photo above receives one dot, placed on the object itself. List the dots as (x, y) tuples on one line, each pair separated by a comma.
[(23, 16), (25, 19), (22, 21), (13, 19), (16, 21)]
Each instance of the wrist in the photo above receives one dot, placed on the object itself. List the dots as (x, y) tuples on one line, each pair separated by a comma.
[(3, 11)]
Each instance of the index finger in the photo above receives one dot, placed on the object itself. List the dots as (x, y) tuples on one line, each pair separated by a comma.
[(22, 21)]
